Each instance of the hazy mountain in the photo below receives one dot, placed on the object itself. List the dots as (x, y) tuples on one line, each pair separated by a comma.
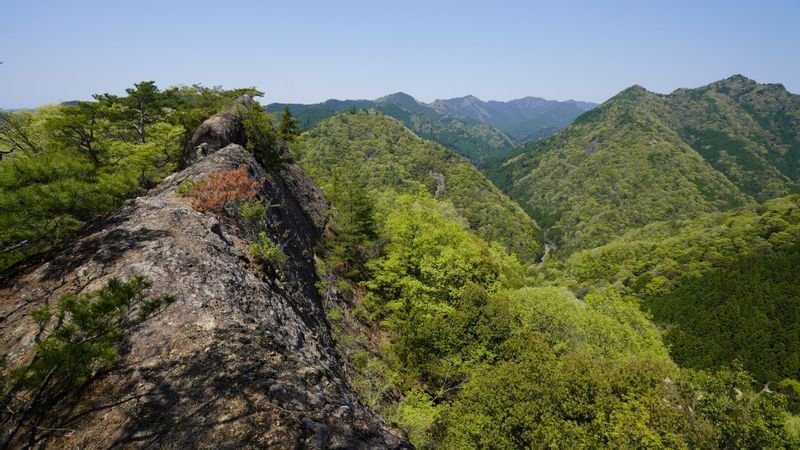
[(471, 127), (476, 141), (525, 119)]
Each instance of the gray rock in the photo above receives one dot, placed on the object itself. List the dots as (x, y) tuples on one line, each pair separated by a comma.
[(217, 354)]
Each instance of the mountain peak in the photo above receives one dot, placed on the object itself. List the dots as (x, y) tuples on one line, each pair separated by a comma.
[(635, 92), (734, 84), (397, 97), (738, 78)]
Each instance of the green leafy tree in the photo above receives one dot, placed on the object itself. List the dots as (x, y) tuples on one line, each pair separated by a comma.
[(261, 137)]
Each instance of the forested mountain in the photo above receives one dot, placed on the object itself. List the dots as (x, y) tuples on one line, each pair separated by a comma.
[(179, 268), (474, 140), (642, 157), (726, 284), (524, 119), (482, 351), (389, 156), (748, 131)]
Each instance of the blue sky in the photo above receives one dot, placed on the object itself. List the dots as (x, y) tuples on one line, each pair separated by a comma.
[(309, 51)]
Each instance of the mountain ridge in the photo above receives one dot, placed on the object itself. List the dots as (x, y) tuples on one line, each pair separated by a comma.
[(480, 138)]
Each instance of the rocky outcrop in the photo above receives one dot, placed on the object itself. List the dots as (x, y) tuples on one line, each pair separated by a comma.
[(244, 358), (217, 131)]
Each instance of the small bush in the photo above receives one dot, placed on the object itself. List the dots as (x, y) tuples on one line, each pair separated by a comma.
[(187, 186), (267, 252), (84, 339), (252, 210), (222, 188)]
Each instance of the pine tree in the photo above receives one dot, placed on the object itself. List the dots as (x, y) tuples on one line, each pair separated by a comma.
[(287, 129)]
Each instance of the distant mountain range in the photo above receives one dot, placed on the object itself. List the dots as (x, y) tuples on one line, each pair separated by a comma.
[(525, 119), (642, 157), (475, 129)]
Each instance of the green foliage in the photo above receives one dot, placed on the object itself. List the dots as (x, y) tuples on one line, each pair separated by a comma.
[(359, 143), (187, 186), (251, 210), (82, 334), (791, 389), (675, 250), (485, 360), (426, 264), (63, 166), (261, 137), (749, 311), (730, 411), (352, 228), (416, 414), (725, 284), (603, 323), (287, 128), (265, 251), (535, 399), (86, 331)]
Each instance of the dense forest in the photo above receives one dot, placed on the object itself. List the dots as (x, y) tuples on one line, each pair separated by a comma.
[(478, 346), (642, 157), (389, 156), (642, 291)]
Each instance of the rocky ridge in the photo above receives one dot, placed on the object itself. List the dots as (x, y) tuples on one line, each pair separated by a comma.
[(244, 358)]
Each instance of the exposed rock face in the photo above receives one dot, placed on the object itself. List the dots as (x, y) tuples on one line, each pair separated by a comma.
[(244, 358), (216, 132)]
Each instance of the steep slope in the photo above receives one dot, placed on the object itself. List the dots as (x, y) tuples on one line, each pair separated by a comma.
[(642, 157), (524, 119), (725, 283), (244, 356), (617, 167), (748, 131), (474, 140), (391, 156)]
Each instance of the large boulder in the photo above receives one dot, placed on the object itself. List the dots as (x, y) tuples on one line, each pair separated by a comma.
[(218, 131)]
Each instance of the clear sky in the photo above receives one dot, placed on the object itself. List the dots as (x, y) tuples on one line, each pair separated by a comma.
[(309, 51)]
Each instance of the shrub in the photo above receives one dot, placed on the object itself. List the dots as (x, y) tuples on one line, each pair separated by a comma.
[(222, 188), (84, 339), (187, 186), (265, 251), (252, 210)]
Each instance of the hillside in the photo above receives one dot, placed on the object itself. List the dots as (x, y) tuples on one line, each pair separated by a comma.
[(476, 141), (725, 284), (617, 167), (642, 157), (388, 155), (748, 131), (524, 119)]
